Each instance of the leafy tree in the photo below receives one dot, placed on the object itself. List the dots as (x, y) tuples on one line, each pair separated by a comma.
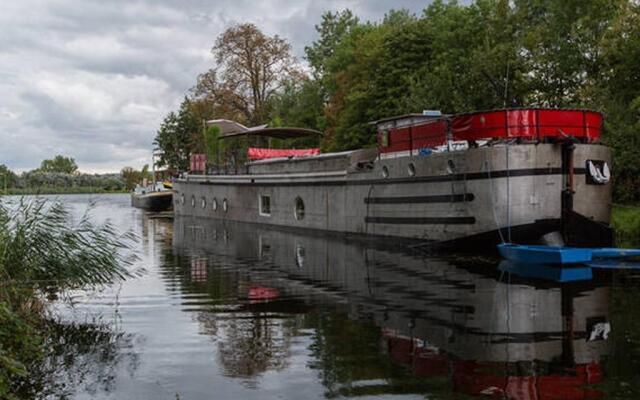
[(175, 138), (250, 69), (300, 104), (561, 47), (333, 28), (59, 163)]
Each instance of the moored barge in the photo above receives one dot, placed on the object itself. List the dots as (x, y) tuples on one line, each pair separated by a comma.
[(480, 178)]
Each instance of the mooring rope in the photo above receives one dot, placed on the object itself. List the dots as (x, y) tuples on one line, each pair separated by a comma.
[(508, 196)]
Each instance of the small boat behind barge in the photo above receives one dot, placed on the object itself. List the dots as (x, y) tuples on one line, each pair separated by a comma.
[(476, 179), (152, 199)]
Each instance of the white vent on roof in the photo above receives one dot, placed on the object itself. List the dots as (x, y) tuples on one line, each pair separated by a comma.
[(432, 113)]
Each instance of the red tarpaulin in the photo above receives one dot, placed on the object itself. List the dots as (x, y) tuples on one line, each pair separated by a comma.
[(527, 123), (256, 153)]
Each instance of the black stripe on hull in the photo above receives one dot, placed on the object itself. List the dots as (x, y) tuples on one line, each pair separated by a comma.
[(441, 198), (421, 220), (471, 176)]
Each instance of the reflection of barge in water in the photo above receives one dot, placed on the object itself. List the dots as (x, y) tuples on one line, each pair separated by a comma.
[(496, 335), (432, 178)]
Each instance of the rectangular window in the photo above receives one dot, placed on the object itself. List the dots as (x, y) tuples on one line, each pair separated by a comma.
[(265, 205)]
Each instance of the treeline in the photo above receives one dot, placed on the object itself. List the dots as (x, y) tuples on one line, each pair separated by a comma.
[(451, 57), (60, 175)]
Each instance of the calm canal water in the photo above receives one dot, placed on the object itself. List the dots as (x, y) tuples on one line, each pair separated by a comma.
[(228, 311)]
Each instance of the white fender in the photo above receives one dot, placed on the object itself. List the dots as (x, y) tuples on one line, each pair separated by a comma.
[(606, 172), (597, 175)]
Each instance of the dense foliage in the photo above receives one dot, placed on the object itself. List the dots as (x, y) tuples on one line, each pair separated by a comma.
[(455, 58), (38, 181)]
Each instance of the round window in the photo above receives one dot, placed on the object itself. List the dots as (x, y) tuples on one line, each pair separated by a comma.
[(182, 198), (225, 206), (203, 202), (411, 169), (214, 204), (298, 211), (193, 201), (385, 171)]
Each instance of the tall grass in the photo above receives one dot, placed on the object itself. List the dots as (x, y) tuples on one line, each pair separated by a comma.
[(44, 252)]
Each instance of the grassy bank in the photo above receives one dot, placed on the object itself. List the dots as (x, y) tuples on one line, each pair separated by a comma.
[(59, 190), (43, 255), (625, 220)]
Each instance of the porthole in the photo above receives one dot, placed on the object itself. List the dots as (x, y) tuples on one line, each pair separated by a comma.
[(203, 202), (385, 171), (182, 198), (298, 210), (214, 204), (225, 205), (411, 169), (193, 201)]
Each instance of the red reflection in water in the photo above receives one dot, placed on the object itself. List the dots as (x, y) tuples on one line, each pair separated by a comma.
[(263, 293), (484, 379)]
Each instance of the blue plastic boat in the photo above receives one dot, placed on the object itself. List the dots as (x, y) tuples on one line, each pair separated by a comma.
[(540, 271), (613, 264), (615, 253), (532, 254)]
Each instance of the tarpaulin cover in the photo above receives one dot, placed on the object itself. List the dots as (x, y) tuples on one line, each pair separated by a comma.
[(256, 153), (528, 123)]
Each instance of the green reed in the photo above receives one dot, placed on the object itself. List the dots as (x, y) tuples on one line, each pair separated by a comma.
[(44, 253)]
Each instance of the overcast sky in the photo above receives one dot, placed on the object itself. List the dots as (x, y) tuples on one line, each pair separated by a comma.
[(93, 79)]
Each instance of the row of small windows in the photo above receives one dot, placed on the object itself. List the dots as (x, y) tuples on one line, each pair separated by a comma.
[(264, 205), (411, 169), (203, 203)]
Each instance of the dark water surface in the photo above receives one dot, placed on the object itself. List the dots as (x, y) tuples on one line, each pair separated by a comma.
[(228, 311)]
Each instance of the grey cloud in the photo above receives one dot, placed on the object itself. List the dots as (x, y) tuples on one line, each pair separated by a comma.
[(93, 79)]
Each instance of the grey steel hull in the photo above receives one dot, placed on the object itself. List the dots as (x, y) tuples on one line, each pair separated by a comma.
[(486, 195)]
